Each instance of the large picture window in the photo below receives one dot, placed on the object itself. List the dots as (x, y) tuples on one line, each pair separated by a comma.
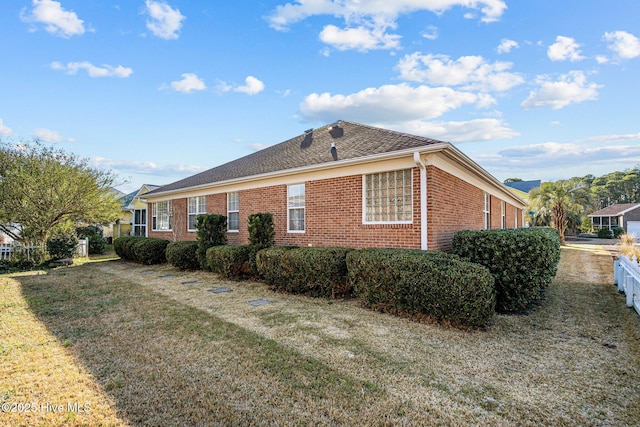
[(233, 211), (161, 216), (197, 206), (295, 208), (388, 197)]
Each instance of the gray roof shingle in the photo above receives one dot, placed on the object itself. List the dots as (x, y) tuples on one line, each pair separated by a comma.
[(352, 140), (614, 210)]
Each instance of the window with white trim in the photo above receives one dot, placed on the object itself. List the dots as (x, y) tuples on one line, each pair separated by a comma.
[(487, 211), (503, 214), (161, 216), (197, 206), (516, 217), (295, 208), (388, 197), (233, 212), (140, 222)]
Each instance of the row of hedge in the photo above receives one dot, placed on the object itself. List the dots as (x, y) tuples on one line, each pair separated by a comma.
[(503, 270)]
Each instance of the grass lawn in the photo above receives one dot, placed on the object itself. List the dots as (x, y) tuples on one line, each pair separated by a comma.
[(133, 345)]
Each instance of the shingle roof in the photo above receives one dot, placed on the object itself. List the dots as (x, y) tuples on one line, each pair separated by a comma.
[(352, 140), (614, 210), (525, 186)]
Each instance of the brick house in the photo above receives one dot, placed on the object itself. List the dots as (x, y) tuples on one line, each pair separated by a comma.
[(344, 184)]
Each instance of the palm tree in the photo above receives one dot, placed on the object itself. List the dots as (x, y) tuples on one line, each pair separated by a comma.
[(556, 200)]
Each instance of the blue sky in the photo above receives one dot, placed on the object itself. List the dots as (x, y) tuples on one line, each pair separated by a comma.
[(157, 91)]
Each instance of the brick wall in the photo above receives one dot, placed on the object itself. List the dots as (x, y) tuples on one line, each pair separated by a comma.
[(334, 214)]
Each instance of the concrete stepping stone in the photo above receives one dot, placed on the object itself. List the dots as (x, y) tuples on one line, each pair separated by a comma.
[(147, 272), (219, 290), (166, 276), (195, 282), (258, 302)]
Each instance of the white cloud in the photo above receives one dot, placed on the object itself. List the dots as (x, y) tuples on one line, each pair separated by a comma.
[(506, 45), (565, 48), (367, 22), (92, 70), (164, 22), (5, 130), (472, 130), (251, 87), (388, 104), (470, 72), (571, 88), (190, 82), (48, 135), (145, 168), (615, 137), (625, 44), (430, 33), (55, 19), (359, 38), (601, 59)]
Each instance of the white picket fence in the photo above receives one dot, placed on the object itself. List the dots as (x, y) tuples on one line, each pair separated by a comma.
[(8, 249), (626, 274)]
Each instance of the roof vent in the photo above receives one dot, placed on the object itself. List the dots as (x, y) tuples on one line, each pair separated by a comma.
[(308, 131)]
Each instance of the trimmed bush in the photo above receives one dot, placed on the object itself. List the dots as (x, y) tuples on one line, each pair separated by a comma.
[(212, 231), (617, 232), (231, 262), (318, 272), (124, 247), (605, 233), (183, 255), (62, 246), (150, 251), (261, 229), (523, 261), (434, 284)]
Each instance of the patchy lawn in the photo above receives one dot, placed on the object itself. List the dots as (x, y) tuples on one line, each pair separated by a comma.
[(138, 347)]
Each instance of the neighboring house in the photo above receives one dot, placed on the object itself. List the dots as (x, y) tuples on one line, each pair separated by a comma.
[(133, 218), (626, 215), (344, 184)]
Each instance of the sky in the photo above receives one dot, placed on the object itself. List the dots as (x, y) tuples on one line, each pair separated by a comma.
[(159, 90)]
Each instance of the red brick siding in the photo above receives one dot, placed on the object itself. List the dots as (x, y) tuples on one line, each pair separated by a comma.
[(333, 213), (453, 205)]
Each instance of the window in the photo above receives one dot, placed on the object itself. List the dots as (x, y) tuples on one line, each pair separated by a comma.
[(516, 218), (388, 197), (295, 208), (197, 206), (487, 211), (233, 214), (140, 222), (161, 216), (503, 214)]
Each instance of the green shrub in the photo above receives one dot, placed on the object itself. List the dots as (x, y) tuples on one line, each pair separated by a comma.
[(150, 251), (97, 243), (231, 262), (261, 229), (434, 284), (605, 233), (124, 247), (523, 261), (183, 255), (617, 232), (212, 231), (269, 263), (319, 272), (62, 246)]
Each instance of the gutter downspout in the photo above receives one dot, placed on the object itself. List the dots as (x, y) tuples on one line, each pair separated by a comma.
[(424, 243)]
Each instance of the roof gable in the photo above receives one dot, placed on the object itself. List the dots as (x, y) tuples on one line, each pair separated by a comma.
[(615, 210), (339, 141)]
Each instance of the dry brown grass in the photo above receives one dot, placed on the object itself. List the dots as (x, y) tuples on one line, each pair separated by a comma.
[(627, 246), (165, 353)]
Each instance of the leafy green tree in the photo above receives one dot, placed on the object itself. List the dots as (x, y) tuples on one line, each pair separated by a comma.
[(561, 201), (42, 188)]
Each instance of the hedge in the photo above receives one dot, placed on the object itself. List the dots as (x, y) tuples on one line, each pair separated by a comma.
[(231, 262), (319, 272), (143, 250), (211, 231), (183, 255), (523, 261), (434, 284)]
